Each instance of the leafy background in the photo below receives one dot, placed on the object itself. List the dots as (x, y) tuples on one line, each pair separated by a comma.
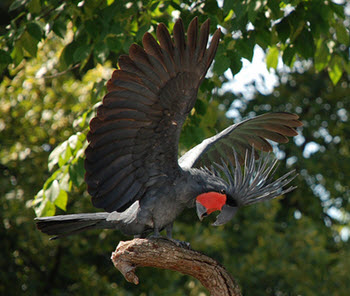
[(55, 58)]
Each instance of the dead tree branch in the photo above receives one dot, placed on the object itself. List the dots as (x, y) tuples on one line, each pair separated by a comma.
[(165, 254)]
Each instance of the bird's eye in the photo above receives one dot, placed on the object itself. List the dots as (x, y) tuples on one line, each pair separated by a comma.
[(223, 191)]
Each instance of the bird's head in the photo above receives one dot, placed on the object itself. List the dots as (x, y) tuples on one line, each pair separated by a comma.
[(215, 197), (209, 202), (249, 184)]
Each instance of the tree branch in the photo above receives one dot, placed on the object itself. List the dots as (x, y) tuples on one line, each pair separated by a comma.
[(165, 254)]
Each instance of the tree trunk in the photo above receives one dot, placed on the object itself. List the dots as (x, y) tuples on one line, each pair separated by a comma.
[(166, 254)]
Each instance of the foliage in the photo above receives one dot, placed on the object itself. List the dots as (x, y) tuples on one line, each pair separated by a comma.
[(55, 58)]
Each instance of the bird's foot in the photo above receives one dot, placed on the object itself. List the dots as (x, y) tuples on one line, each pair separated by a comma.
[(178, 243), (181, 244)]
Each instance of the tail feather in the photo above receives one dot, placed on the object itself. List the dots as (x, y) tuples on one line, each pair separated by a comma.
[(64, 225)]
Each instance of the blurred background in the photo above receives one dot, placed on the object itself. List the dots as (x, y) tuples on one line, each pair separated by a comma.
[(55, 58)]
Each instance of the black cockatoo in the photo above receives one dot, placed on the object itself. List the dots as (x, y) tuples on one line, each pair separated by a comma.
[(132, 166)]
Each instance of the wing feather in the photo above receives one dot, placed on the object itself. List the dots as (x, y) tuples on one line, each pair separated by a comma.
[(133, 140), (251, 132), (192, 33), (203, 39)]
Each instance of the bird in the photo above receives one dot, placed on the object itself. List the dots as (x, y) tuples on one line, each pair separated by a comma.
[(132, 167)]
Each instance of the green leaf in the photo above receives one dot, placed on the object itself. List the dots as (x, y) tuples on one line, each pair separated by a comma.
[(222, 63), (304, 44), (245, 48), (56, 154), (81, 53), (338, 9), (283, 29), (154, 5), (236, 63), (66, 58), (322, 55), (74, 141), (35, 30), (52, 191), (59, 28), (113, 42), (210, 116), (93, 28), (289, 56), (77, 171), (335, 69), (5, 58), (276, 10), (29, 43), (240, 9), (101, 52), (62, 160), (34, 6), (342, 33), (347, 67), (141, 31), (272, 58), (43, 207), (228, 5), (201, 107), (61, 200), (17, 3)]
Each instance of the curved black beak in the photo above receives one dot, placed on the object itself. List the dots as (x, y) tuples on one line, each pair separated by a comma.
[(201, 210), (226, 215)]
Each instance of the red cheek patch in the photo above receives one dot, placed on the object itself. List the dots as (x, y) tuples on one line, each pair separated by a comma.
[(212, 201)]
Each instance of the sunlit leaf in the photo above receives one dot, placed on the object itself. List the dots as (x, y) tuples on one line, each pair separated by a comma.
[(42, 206), (56, 154), (335, 70), (322, 56), (65, 156), (52, 191), (64, 181), (61, 200), (272, 58), (46, 208)]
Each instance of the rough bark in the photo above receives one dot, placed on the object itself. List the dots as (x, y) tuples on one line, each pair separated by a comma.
[(165, 254)]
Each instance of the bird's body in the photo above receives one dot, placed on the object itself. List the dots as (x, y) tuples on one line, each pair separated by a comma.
[(132, 166), (157, 210)]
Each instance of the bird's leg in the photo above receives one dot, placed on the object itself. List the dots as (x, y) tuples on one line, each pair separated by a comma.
[(156, 233), (169, 230)]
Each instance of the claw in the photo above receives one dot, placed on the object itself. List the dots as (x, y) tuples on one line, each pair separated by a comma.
[(178, 243)]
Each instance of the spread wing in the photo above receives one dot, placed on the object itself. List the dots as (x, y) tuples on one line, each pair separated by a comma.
[(133, 140), (242, 136)]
